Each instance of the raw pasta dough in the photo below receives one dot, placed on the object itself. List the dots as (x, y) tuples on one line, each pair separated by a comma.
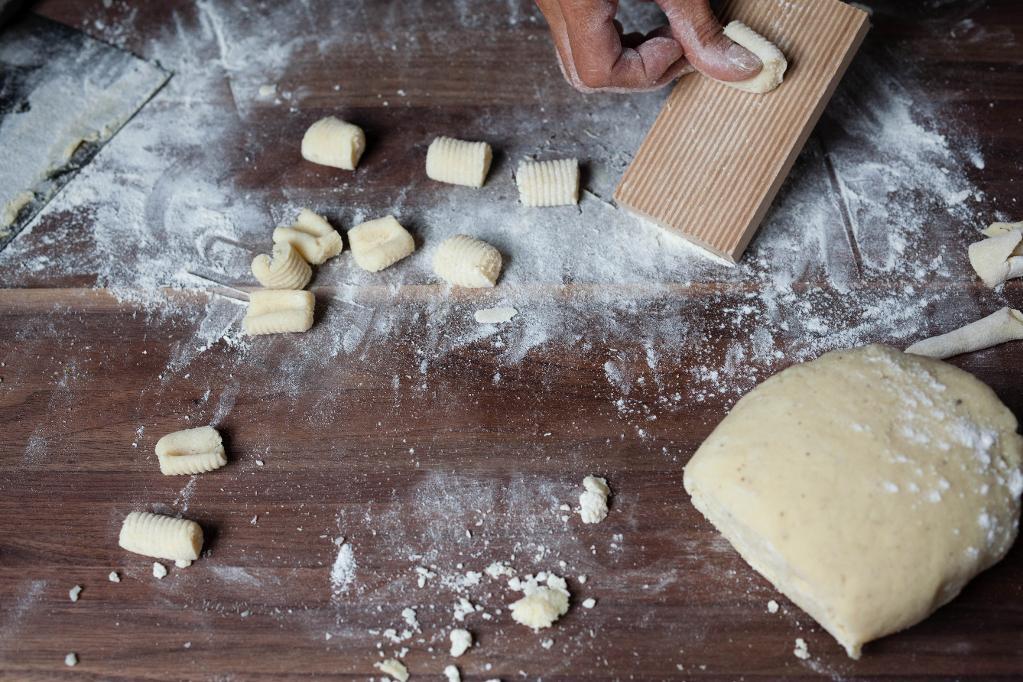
[(333, 142), (548, 183), (161, 537), (278, 311), (995, 329), (869, 486), (286, 270), (996, 258), (775, 64), (458, 162), (379, 244), (542, 604), (312, 236), (593, 500), (467, 262), (192, 451)]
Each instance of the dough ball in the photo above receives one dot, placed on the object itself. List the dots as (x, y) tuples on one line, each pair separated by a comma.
[(868, 486)]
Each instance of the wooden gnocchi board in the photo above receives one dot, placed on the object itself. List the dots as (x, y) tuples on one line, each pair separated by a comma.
[(715, 158)]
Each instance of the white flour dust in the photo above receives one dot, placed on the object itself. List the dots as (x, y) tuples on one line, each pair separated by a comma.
[(874, 199), (342, 573)]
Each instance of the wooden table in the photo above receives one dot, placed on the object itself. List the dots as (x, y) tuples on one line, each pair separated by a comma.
[(425, 453)]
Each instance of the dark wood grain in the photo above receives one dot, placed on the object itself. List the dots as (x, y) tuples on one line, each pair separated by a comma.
[(403, 462)]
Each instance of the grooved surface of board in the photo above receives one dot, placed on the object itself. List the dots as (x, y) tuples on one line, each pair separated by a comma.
[(715, 158)]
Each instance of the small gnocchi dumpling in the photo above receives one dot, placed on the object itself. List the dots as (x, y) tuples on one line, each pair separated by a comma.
[(161, 537), (774, 63), (333, 142), (458, 162), (278, 311), (285, 269), (312, 236), (192, 451), (380, 243), (548, 183), (467, 262)]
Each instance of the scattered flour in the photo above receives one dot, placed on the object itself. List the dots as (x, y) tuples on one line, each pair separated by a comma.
[(342, 573)]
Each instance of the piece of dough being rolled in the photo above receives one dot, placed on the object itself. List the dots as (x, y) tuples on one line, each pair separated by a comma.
[(869, 486), (775, 64), (995, 329)]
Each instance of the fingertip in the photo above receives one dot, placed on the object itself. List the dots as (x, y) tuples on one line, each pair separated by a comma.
[(742, 63)]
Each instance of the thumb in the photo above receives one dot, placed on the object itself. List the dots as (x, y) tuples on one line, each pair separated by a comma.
[(706, 45)]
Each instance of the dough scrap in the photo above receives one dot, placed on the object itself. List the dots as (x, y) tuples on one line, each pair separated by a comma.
[(333, 142), (286, 269), (467, 262), (380, 243), (461, 640), (548, 183), (312, 236), (192, 451), (458, 162), (542, 604), (994, 258), (995, 329), (161, 537), (278, 311), (495, 315), (869, 486), (394, 668), (773, 72), (593, 500)]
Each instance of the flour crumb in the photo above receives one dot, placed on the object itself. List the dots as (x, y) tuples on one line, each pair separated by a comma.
[(451, 672), (74, 592), (547, 643), (461, 640), (582, 579), (801, 652), (423, 574), (182, 563), (498, 569), (593, 500), (114, 577), (409, 616), (589, 603), (772, 606), (394, 668), (71, 660), (159, 570)]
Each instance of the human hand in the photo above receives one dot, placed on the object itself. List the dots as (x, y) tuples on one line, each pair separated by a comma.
[(596, 54)]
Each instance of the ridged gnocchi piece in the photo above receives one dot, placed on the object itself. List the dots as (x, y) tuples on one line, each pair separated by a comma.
[(467, 262), (278, 311), (335, 143), (161, 537), (285, 269), (380, 243), (458, 162), (312, 236), (774, 63), (548, 183), (192, 451)]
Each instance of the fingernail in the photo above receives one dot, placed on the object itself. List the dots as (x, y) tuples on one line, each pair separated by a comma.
[(743, 58)]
